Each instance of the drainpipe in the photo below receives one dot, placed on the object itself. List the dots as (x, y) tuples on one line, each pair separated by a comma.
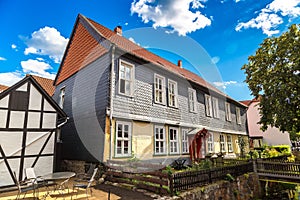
[(112, 87)]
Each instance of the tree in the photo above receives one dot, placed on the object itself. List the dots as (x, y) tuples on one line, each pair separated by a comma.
[(273, 76)]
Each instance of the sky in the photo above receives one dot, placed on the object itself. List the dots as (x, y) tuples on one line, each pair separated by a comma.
[(213, 38)]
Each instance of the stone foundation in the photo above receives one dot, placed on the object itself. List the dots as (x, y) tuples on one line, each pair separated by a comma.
[(244, 187)]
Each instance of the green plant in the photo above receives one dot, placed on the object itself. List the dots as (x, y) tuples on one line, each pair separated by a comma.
[(229, 177)]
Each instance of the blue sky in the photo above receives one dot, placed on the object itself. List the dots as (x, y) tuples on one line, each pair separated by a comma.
[(213, 38)]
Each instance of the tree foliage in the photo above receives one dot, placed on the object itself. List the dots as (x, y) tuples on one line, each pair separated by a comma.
[(273, 76)]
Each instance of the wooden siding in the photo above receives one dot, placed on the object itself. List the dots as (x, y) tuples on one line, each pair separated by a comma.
[(142, 105), (86, 100)]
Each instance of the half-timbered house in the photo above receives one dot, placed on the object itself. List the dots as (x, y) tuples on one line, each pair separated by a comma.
[(29, 130)]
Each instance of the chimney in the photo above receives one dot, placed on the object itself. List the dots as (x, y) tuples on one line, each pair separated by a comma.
[(179, 63), (118, 30)]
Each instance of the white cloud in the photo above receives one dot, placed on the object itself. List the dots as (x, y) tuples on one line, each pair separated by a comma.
[(215, 59), (10, 78), (176, 14), (223, 85), (2, 58), (285, 8), (13, 46), (47, 41), (37, 67), (272, 15)]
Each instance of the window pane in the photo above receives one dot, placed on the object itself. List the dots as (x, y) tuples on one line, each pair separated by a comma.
[(128, 73), (127, 87), (122, 86), (120, 130)]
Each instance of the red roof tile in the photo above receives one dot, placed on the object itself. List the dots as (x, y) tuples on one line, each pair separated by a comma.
[(83, 49), (3, 87), (46, 84)]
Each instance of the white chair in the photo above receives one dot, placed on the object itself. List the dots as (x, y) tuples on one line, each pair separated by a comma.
[(85, 184), (25, 186)]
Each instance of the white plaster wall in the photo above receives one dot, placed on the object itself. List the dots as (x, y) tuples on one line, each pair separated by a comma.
[(47, 106), (11, 142), (3, 118), (4, 173), (35, 99), (33, 120), (35, 141), (22, 88), (4, 102), (43, 166), (16, 119), (49, 120)]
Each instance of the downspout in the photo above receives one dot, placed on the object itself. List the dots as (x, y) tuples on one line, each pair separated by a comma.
[(112, 86)]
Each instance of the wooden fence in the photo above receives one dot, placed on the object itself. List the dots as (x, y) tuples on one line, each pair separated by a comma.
[(163, 183), (189, 179), (278, 170)]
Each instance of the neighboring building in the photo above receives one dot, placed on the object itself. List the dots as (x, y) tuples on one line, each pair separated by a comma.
[(124, 101), (29, 130), (272, 136), (3, 87)]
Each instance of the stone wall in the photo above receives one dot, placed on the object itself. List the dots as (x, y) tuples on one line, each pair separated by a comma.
[(244, 187)]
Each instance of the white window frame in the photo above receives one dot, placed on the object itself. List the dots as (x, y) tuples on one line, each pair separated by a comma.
[(208, 106), (173, 140), (210, 143), (222, 143), (227, 111), (238, 115), (172, 93), (124, 79), (215, 106), (158, 90), (162, 147), (184, 141), (229, 143), (123, 139), (62, 93), (192, 98)]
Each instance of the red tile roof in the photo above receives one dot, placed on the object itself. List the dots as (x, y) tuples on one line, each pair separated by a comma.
[(3, 87), (47, 84), (83, 48)]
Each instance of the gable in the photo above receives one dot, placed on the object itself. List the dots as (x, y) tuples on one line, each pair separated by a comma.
[(82, 50)]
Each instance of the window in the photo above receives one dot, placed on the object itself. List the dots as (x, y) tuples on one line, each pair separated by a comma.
[(215, 105), (174, 140), (208, 107), (227, 111), (238, 115), (123, 139), (62, 97), (125, 78), (229, 143), (210, 143), (222, 143), (192, 100), (172, 90), (184, 140), (159, 89), (160, 140)]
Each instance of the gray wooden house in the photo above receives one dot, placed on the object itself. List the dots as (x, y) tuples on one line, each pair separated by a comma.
[(124, 101), (29, 125)]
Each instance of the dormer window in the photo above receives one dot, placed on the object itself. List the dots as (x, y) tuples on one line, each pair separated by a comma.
[(62, 97), (172, 93), (227, 111), (208, 107), (238, 115), (159, 89), (126, 78), (192, 100)]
